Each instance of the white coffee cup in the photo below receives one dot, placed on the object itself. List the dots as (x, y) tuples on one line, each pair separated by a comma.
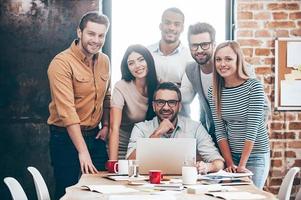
[(189, 175), (121, 167)]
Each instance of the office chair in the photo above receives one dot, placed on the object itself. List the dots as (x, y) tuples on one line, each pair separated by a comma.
[(40, 185), (287, 184), (15, 188)]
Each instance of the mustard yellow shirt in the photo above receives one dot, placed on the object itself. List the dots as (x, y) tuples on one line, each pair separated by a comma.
[(79, 92)]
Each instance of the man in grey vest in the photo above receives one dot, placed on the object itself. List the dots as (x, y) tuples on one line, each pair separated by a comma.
[(198, 74)]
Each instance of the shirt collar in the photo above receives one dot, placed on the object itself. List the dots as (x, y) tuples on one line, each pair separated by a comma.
[(177, 50), (78, 53)]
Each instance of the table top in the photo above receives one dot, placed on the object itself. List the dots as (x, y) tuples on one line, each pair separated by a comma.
[(76, 192)]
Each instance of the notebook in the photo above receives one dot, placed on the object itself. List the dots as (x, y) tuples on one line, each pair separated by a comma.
[(166, 154)]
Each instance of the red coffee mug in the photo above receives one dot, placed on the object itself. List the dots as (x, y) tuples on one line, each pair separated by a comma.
[(155, 176), (110, 165)]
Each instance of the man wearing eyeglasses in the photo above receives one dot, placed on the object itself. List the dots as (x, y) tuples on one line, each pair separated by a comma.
[(198, 75), (168, 124)]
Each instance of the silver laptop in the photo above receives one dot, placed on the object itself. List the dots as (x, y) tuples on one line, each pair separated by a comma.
[(166, 154)]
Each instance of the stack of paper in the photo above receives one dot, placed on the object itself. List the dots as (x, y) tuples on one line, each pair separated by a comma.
[(223, 175), (169, 186), (126, 178), (142, 197), (109, 189), (236, 195), (200, 189)]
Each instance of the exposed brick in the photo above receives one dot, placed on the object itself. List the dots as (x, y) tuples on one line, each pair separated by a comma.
[(296, 32), (244, 15), (270, 43), (276, 163), (244, 33), (300, 135), (276, 173), (262, 52), (273, 52), (299, 116), (283, 6), (290, 154), (248, 24), (279, 24), (249, 6), (295, 15), (247, 52), (269, 61), (277, 116), (280, 15), (289, 135), (262, 33), (276, 6), (299, 23), (294, 126), (276, 135), (250, 42), (262, 16), (253, 60), (277, 145), (268, 79), (297, 163), (274, 190), (294, 144), (281, 33), (290, 116), (276, 181), (276, 154), (263, 70), (277, 126)]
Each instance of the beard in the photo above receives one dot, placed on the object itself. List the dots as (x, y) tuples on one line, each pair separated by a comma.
[(201, 61), (90, 47), (170, 40), (171, 115)]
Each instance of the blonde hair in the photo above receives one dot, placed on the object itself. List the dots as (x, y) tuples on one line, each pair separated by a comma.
[(218, 81)]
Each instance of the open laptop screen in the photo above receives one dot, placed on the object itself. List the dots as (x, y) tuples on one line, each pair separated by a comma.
[(166, 154)]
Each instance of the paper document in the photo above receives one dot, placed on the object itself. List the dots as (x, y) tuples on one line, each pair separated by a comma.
[(109, 189), (142, 197), (200, 189), (236, 195), (126, 178), (223, 175)]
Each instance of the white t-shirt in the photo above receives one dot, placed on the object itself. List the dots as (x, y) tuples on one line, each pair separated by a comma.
[(206, 82)]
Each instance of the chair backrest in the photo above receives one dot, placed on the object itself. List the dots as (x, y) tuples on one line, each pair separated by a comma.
[(298, 196), (287, 184), (15, 189), (40, 185)]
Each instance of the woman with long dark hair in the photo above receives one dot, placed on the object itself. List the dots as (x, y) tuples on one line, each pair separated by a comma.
[(132, 98)]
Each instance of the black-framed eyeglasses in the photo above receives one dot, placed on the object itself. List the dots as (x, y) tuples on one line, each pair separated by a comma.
[(203, 45), (171, 103)]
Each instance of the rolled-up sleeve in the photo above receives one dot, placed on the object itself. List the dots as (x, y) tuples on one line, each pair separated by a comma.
[(205, 146), (60, 80), (135, 135)]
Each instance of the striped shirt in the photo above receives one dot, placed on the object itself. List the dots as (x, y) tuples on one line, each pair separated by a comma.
[(242, 117)]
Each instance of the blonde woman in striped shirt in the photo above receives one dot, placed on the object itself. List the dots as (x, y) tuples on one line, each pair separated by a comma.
[(237, 104)]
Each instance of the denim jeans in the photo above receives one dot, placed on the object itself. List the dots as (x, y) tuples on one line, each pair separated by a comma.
[(259, 164), (64, 156)]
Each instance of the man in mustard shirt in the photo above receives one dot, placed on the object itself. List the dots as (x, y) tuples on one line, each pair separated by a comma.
[(79, 80)]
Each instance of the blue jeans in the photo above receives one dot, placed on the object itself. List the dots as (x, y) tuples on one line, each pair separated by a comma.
[(259, 164), (64, 156)]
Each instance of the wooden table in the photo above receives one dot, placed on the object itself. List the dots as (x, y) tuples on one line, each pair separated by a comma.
[(76, 193)]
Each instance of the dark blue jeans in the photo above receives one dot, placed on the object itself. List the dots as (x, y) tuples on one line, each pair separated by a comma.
[(64, 156)]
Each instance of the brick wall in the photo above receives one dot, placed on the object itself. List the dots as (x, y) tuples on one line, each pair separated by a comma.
[(258, 23)]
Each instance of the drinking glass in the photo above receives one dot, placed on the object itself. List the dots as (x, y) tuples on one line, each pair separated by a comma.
[(133, 168)]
